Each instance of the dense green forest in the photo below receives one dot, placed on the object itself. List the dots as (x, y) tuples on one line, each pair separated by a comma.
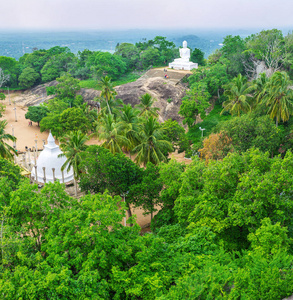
[(221, 226), (42, 66)]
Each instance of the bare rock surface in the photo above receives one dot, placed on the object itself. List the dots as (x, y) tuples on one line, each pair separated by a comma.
[(167, 92), (168, 95), (34, 96), (89, 94), (38, 94)]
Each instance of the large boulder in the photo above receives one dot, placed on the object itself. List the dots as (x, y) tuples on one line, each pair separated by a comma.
[(38, 94), (168, 95)]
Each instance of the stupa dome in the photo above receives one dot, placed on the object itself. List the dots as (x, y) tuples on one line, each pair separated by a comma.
[(49, 159)]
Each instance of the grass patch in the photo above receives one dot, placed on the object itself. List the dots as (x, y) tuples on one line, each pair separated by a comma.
[(96, 85), (214, 117), (11, 89), (130, 77), (90, 84)]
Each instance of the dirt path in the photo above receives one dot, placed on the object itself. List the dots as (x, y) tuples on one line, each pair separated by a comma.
[(26, 135)]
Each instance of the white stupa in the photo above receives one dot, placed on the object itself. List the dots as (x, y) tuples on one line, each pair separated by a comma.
[(49, 159), (183, 62)]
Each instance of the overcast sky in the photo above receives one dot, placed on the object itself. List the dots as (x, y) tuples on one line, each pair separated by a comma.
[(124, 14)]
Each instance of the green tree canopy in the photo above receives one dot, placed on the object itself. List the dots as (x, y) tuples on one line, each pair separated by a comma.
[(130, 53), (102, 170), (150, 57), (147, 192), (250, 131), (67, 87), (107, 64), (28, 77), (195, 103), (175, 133), (71, 119), (36, 113), (197, 56)]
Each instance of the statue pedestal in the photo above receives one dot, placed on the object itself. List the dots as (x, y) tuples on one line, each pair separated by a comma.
[(183, 64)]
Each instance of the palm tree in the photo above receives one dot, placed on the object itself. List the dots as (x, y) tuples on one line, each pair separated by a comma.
[(6, 151), (279, 97), (259, 85), (145, 106), (72, 145), (113, 134), (112, 106), (239, 94), (152, 146), (131, 125), (108, 92), (259, 92)]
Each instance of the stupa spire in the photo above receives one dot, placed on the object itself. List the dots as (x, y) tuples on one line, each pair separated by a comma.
[(51, 141)]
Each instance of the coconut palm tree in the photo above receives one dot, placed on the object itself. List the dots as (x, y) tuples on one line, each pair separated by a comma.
[(259, 85), (145, 106), (278, 97), (6, 151), (72, 145), (259, 92), (239, 96), (108, 92), (152, 146), (112, 106), (131, 125), (112, 133)]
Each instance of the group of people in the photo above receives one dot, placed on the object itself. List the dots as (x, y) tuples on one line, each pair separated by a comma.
[(166, 75)]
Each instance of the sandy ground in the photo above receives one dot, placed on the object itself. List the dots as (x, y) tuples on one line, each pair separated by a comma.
[(26, 136)]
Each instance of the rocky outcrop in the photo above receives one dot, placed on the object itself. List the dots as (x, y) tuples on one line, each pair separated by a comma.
[(38, 94), (167, 92), (168, 95), (89, 94), (261, 68)]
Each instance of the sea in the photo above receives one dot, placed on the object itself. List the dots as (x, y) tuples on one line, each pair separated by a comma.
[(17, 43)]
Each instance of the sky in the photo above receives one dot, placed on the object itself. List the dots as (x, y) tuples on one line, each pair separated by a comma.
[(144, 14)]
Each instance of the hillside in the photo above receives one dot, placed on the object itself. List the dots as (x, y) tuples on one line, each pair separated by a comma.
[(168, 92)]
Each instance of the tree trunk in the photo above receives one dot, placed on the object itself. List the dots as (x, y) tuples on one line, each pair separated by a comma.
[(2, 253), (218, 93), (108, 106), (75, 186), (129, 212)]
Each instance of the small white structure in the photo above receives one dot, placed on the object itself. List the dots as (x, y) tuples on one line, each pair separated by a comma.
[(49, 163), (183, 62)]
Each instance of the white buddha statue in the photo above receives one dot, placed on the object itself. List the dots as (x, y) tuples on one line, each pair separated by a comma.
[(183, 62), (184, 52)]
